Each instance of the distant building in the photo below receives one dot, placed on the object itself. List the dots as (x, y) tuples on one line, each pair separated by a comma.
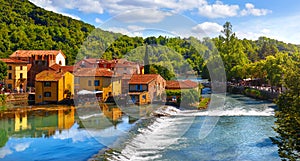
[(180, 85), (98, 79), (39, 60), (53, 86), (119, 66), (146, 88), (16, 79)]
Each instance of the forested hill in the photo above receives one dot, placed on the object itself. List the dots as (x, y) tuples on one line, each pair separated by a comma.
[(26, 26)]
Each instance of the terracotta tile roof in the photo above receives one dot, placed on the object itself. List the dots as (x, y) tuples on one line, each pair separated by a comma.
[(142, 78), (186, 84), (29, 53), (49, 75), (94, 72), (56, 67), (13, 61)]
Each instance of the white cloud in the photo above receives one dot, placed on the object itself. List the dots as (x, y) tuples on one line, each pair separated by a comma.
[(98, 20), (120, 7), (70, 15), (251, 10), (218, 10), (135, 28), (208, 28), (146, 16), (130, 31)]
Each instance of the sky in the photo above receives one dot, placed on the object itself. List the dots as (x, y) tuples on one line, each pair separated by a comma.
[(250, 19)]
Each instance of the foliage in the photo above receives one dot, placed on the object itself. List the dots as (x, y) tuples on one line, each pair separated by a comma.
[(163, 71), (204, 103), (288, 114), (3, 70), (3, 137), (26, 26)]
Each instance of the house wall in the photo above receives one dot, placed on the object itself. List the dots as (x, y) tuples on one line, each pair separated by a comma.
[(16, 81), (108, 85), (60, 59), (41, 89)]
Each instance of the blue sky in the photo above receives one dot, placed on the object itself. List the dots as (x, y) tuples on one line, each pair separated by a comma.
[(250, 18)]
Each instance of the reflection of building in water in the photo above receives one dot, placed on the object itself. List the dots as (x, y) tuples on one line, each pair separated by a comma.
[(94, 118), (36, 122), (113, 113)]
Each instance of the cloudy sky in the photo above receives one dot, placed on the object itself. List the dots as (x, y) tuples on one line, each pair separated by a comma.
[(250, 18)]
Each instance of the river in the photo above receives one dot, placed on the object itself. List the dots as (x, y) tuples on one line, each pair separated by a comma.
[(242, 132)]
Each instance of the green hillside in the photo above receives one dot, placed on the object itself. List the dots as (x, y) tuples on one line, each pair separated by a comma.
[(26, 26)]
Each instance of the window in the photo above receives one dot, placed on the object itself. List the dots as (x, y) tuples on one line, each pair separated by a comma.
[(9, 76), (90, 83), (47, 84), (21, 75), (77, 80), (47, 94), (9, 68), (9, 86), (21, 67), (96, 83)]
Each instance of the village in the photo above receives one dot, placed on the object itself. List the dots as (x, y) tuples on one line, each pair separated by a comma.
[(44, 78)]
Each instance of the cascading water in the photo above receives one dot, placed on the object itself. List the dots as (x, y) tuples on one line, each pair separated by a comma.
[(242, 133)]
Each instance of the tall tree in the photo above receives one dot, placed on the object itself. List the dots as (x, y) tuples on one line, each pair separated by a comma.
[(146, 61), (288, 115)]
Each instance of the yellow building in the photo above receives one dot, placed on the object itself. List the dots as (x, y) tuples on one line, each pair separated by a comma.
[(53, 86), (98, 79), (16, 79)]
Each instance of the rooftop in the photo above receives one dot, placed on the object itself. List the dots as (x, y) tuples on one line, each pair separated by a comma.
[(142, 79), (93, 72), (13, 61), (186, 84), (49, 75), (29, 53)]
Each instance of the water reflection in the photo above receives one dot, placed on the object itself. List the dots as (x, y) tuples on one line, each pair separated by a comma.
[(36, 121), (46, 121)]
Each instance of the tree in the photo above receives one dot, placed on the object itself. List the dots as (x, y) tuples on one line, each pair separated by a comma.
[(288, 114), (231, 50), (146, 62), (3, 70)]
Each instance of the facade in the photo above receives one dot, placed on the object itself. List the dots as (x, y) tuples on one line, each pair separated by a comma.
[(39, 60), (53, 86), (97, 79), (146, 88), (16, 79)]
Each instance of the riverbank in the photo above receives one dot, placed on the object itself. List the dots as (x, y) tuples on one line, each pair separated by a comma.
[(256, 93)]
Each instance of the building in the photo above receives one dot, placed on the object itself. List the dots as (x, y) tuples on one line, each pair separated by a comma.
[(97, 80), (119, 66), (180, 86), (146, 88), (16, 79), (53, 86), (39, 60)]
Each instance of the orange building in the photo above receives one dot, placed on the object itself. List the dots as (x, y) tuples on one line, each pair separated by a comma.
[(39, 60), (53, 86), (16, 79), (146, 88)]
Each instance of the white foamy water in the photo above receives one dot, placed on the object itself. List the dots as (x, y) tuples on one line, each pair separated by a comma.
[(163, 132), (151, 141)]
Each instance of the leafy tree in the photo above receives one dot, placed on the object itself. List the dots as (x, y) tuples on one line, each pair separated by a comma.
[(288, 115), (3, 70)]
